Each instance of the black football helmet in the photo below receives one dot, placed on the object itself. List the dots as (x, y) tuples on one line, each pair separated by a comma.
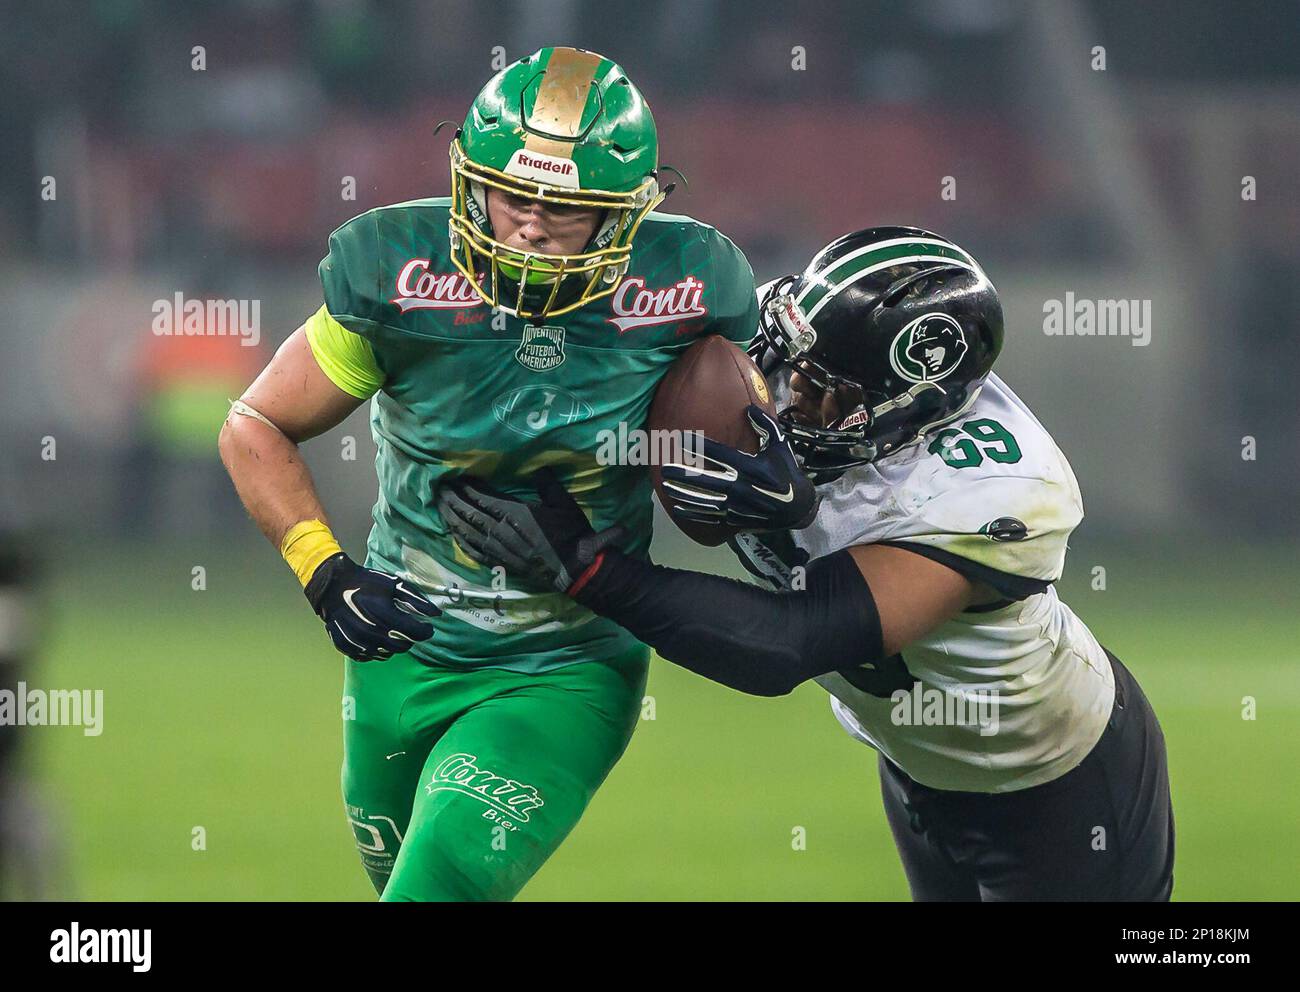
[(901, 323)]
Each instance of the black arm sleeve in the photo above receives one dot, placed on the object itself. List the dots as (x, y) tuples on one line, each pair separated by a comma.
[(751, 639)]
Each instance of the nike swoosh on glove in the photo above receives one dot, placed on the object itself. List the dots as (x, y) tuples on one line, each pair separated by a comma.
[(723, 485), (369, 614), (549, 544)]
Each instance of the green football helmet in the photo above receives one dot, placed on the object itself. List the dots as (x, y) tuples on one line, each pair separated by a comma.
[(562, 126)]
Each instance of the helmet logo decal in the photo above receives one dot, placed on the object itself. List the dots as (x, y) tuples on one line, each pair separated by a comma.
[(929, 348), (855, 419), (543, 168)]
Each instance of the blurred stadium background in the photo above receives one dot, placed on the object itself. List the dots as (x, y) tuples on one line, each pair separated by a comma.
[(221, 704)]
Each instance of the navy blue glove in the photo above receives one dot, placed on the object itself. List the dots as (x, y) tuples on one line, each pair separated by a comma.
[(369, 614), (759, 492)]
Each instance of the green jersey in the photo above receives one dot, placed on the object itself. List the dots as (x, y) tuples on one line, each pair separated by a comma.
[(466, 389)]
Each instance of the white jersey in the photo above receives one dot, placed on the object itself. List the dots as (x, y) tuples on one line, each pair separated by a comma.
[(997, 699)]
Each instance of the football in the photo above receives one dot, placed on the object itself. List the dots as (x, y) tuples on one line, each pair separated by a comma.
[(707, 389)]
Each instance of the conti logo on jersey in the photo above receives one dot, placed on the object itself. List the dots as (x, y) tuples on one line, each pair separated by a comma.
[(636, 306), (460, 773), (420, 289)]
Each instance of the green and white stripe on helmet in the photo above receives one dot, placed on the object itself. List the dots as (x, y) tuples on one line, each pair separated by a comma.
[(823, 281)]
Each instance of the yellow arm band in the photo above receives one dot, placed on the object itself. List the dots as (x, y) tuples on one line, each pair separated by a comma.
[(305, 546), (347, 359)]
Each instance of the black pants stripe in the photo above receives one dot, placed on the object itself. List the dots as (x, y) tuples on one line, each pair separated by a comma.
[(1102, 831)]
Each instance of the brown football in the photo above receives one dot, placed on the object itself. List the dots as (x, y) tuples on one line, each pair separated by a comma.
[(707, 389)]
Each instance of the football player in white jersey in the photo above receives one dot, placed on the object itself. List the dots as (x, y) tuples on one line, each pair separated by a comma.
[(911, 515)]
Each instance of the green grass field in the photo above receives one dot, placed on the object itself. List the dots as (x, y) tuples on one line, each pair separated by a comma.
[(222, 709)]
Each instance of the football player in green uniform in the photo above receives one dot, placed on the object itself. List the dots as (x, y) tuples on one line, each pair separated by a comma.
[(497, 331)]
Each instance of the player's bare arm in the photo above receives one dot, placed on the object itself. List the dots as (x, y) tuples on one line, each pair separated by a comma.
[(368, 614), (299, 402), (913, 595)]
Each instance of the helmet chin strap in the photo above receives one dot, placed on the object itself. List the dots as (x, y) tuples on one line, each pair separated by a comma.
[(604, 231), (906, 399), (903, 400)]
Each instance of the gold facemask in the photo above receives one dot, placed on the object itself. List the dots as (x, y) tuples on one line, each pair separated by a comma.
[(597, 272)]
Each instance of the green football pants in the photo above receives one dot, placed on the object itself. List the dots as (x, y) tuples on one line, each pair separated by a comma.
[(460, 784)]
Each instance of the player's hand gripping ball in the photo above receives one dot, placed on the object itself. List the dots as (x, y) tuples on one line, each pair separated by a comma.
[(719, 484)]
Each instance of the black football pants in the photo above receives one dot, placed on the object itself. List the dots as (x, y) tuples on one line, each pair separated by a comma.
[(1102, 831)]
